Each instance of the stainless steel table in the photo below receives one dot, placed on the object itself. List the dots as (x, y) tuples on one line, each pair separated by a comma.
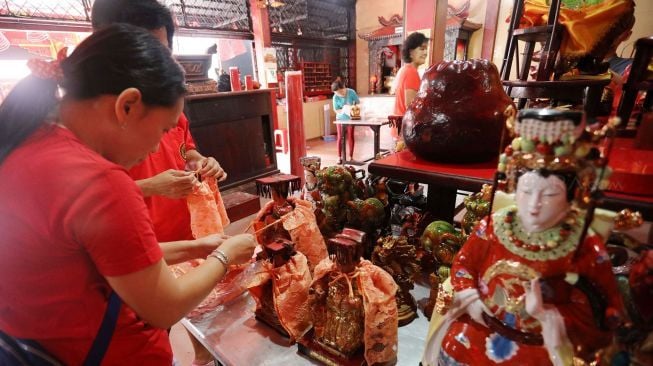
[(235, 338), (373, 123)]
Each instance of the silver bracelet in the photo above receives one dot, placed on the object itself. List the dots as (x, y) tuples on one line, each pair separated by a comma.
[(219, 255)]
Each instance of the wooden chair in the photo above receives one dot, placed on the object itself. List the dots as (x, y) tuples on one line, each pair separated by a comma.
[(586, 91), (638, 80), (550, 35)]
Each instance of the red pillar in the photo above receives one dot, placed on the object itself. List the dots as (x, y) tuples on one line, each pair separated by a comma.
[(295, 100), (261, 30)]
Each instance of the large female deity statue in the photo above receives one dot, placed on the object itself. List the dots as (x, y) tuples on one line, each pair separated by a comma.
[(531, 285)]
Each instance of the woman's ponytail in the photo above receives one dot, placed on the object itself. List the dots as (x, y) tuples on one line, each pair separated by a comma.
[(24, 110)]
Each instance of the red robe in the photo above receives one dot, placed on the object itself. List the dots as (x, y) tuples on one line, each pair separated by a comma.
[(500, 272)]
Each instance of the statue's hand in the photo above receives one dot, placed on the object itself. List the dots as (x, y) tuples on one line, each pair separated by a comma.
[(533, 298), (476, 309)]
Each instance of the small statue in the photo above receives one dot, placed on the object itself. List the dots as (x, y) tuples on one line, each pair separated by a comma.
[(311, 165), (340, 205), (441, 240), (358, 175), (531, 284), (376, 187), (288, 218), (477, 207), (409, 221), (398, 257), (353, 306), (355, 112), (281, 289)]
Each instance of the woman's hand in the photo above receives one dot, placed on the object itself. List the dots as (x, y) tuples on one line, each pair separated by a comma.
[(209, 167), (239, 248), (171, 183), (204, 246)]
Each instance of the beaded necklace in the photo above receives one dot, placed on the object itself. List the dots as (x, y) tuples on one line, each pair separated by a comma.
[(548, 244)]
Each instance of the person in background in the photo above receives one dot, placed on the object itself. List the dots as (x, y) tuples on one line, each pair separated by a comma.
[(413, 54), (68, 244), (343, 99), (167, 175)]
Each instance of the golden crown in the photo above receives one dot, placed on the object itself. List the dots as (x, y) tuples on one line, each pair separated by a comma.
[(556, 141)]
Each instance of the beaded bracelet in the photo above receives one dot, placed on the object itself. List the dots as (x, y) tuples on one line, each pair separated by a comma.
[(219, 255)]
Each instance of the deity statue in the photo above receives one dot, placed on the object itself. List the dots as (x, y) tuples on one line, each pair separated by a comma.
[(355, 112), (281, 289), (311, 165), (398, 257), (339, 204), (353, 306), (288, 218), (441, 242), (531, 285), (477, 206)]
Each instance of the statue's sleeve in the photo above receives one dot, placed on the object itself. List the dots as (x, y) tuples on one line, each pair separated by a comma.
[(469, 260), (596, 281)]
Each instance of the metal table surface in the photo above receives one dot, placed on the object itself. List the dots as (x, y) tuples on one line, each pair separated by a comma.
[(373, 123), (235, 338)]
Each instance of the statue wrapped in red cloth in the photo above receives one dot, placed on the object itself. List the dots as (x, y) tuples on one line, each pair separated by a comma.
[(353, 307)]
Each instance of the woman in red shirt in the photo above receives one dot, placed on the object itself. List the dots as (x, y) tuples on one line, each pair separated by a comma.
[(413, 54), (73, 224)]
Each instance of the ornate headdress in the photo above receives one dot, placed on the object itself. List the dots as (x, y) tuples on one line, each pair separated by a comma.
[(555, 142)]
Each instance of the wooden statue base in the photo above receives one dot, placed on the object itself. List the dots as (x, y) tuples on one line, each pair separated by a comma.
[(273, 323), (266, 313), (406, 314), (315, 350)]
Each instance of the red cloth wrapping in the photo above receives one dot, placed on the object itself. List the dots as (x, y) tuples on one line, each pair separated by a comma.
[(301, 224), (381, 319), (207, 216), (290, 284), (207, 212)]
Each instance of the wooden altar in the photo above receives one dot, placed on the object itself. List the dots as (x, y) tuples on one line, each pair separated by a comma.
[(237, 129)]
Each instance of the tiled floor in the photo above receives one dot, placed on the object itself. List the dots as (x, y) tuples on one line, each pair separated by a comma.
[(328, 151)]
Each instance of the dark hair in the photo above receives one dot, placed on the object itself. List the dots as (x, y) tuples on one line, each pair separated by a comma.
[(107, 62), (337, 85), (413, 41), (148, 14)]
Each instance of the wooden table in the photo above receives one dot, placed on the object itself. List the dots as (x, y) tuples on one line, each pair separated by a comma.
[(443, 179), (373, 123), (234, 337)]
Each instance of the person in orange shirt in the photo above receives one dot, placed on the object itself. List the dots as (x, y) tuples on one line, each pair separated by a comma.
[(413, 54)]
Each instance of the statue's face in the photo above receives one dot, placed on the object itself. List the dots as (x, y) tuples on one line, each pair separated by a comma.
[(541, 202)]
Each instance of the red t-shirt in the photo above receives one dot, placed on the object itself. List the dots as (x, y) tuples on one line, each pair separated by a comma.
[(407, 78), (68, 218), (170, 217)]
